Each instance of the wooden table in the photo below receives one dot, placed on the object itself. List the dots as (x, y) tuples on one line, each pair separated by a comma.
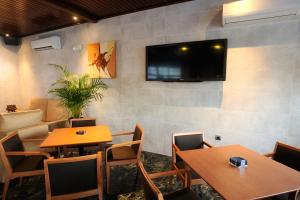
[(67, 137), (262, 178)]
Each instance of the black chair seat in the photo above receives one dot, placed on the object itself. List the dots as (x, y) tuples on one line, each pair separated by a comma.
[(121, 153), (283, 197), (184, 194), (30, 163), (194, 175)]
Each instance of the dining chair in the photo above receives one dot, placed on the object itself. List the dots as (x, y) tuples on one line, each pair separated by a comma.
[(289, 156), (151, 191), (83, 122), (17, 162), (124, 153), (74, 178), (183, 142)]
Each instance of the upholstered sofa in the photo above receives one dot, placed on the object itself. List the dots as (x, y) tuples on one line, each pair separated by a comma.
[(27, 123), (43, 115), (54, 114)]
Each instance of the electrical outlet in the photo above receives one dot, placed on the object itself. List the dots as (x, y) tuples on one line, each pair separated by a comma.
[(218, 137)]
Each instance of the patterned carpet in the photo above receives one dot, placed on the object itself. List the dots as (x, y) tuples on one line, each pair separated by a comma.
[(123, 180)]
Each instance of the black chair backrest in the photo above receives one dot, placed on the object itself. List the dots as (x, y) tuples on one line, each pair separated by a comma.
[(188, 141), (83, 122), (138, 135), (287, 155), (72, 177), (14, 143), (150, 190)]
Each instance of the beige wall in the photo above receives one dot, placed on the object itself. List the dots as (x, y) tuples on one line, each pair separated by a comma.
[(256, 106), (9, 76)]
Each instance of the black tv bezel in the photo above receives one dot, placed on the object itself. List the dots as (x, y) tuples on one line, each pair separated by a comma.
[(223, 78)]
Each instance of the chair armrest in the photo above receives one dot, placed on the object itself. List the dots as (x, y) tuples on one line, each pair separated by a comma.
[(56, 121), (33, 139), (175, 148), (123, 144), (207, 144), (269, 155), (57, 124), (27, 153), (123, 133), (166, 173)]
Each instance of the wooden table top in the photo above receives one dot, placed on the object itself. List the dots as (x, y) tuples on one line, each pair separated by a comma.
[(262, 178), (68, 136)]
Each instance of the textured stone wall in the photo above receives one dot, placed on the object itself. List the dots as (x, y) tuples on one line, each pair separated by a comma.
[(257, 105), (9, 76)]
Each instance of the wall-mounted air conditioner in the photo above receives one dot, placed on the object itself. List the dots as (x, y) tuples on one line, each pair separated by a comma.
[(251, 10), (46, 43)]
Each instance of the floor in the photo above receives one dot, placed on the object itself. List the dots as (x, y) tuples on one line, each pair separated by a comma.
[(123, 180)]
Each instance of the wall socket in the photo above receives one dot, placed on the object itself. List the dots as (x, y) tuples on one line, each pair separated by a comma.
[(218, 137)]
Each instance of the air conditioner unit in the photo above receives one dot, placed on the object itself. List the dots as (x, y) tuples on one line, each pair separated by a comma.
[(46, 43), (251, 10)]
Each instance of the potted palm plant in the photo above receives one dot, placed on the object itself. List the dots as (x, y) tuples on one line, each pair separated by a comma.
[(76, 92)]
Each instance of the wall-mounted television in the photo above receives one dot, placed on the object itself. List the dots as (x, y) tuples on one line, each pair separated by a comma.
[(187, 62)]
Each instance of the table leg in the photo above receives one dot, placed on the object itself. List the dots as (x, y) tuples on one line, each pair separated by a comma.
[(101, 146), (59, 152), (81, 150), (187, 176)]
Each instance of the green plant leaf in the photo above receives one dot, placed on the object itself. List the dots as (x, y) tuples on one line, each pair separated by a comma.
[(76, 92)]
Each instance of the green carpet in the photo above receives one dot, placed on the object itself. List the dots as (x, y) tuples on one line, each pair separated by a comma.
[(124, 186)]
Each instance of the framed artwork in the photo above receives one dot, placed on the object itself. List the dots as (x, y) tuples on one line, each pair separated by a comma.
[(102, 59)]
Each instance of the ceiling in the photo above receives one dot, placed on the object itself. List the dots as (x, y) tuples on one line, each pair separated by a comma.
[(20, 18)]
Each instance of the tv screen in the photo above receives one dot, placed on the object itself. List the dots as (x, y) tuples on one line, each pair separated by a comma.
[(189, 61)]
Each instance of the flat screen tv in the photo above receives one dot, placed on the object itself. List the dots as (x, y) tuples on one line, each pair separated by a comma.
[(187, 62)]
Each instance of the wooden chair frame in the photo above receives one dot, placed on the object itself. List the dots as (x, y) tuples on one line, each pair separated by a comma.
[(150, 177), (9, 171), (77, 195), (122, 162), (175, 149), (292, 195), (284, 145)]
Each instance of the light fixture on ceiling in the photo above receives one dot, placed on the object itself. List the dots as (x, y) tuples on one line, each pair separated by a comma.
[(75, 18), (7, 35)]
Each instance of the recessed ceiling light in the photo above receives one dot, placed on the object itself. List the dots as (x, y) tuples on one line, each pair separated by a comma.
[(75, 18), (184, 48), (7, 34)]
